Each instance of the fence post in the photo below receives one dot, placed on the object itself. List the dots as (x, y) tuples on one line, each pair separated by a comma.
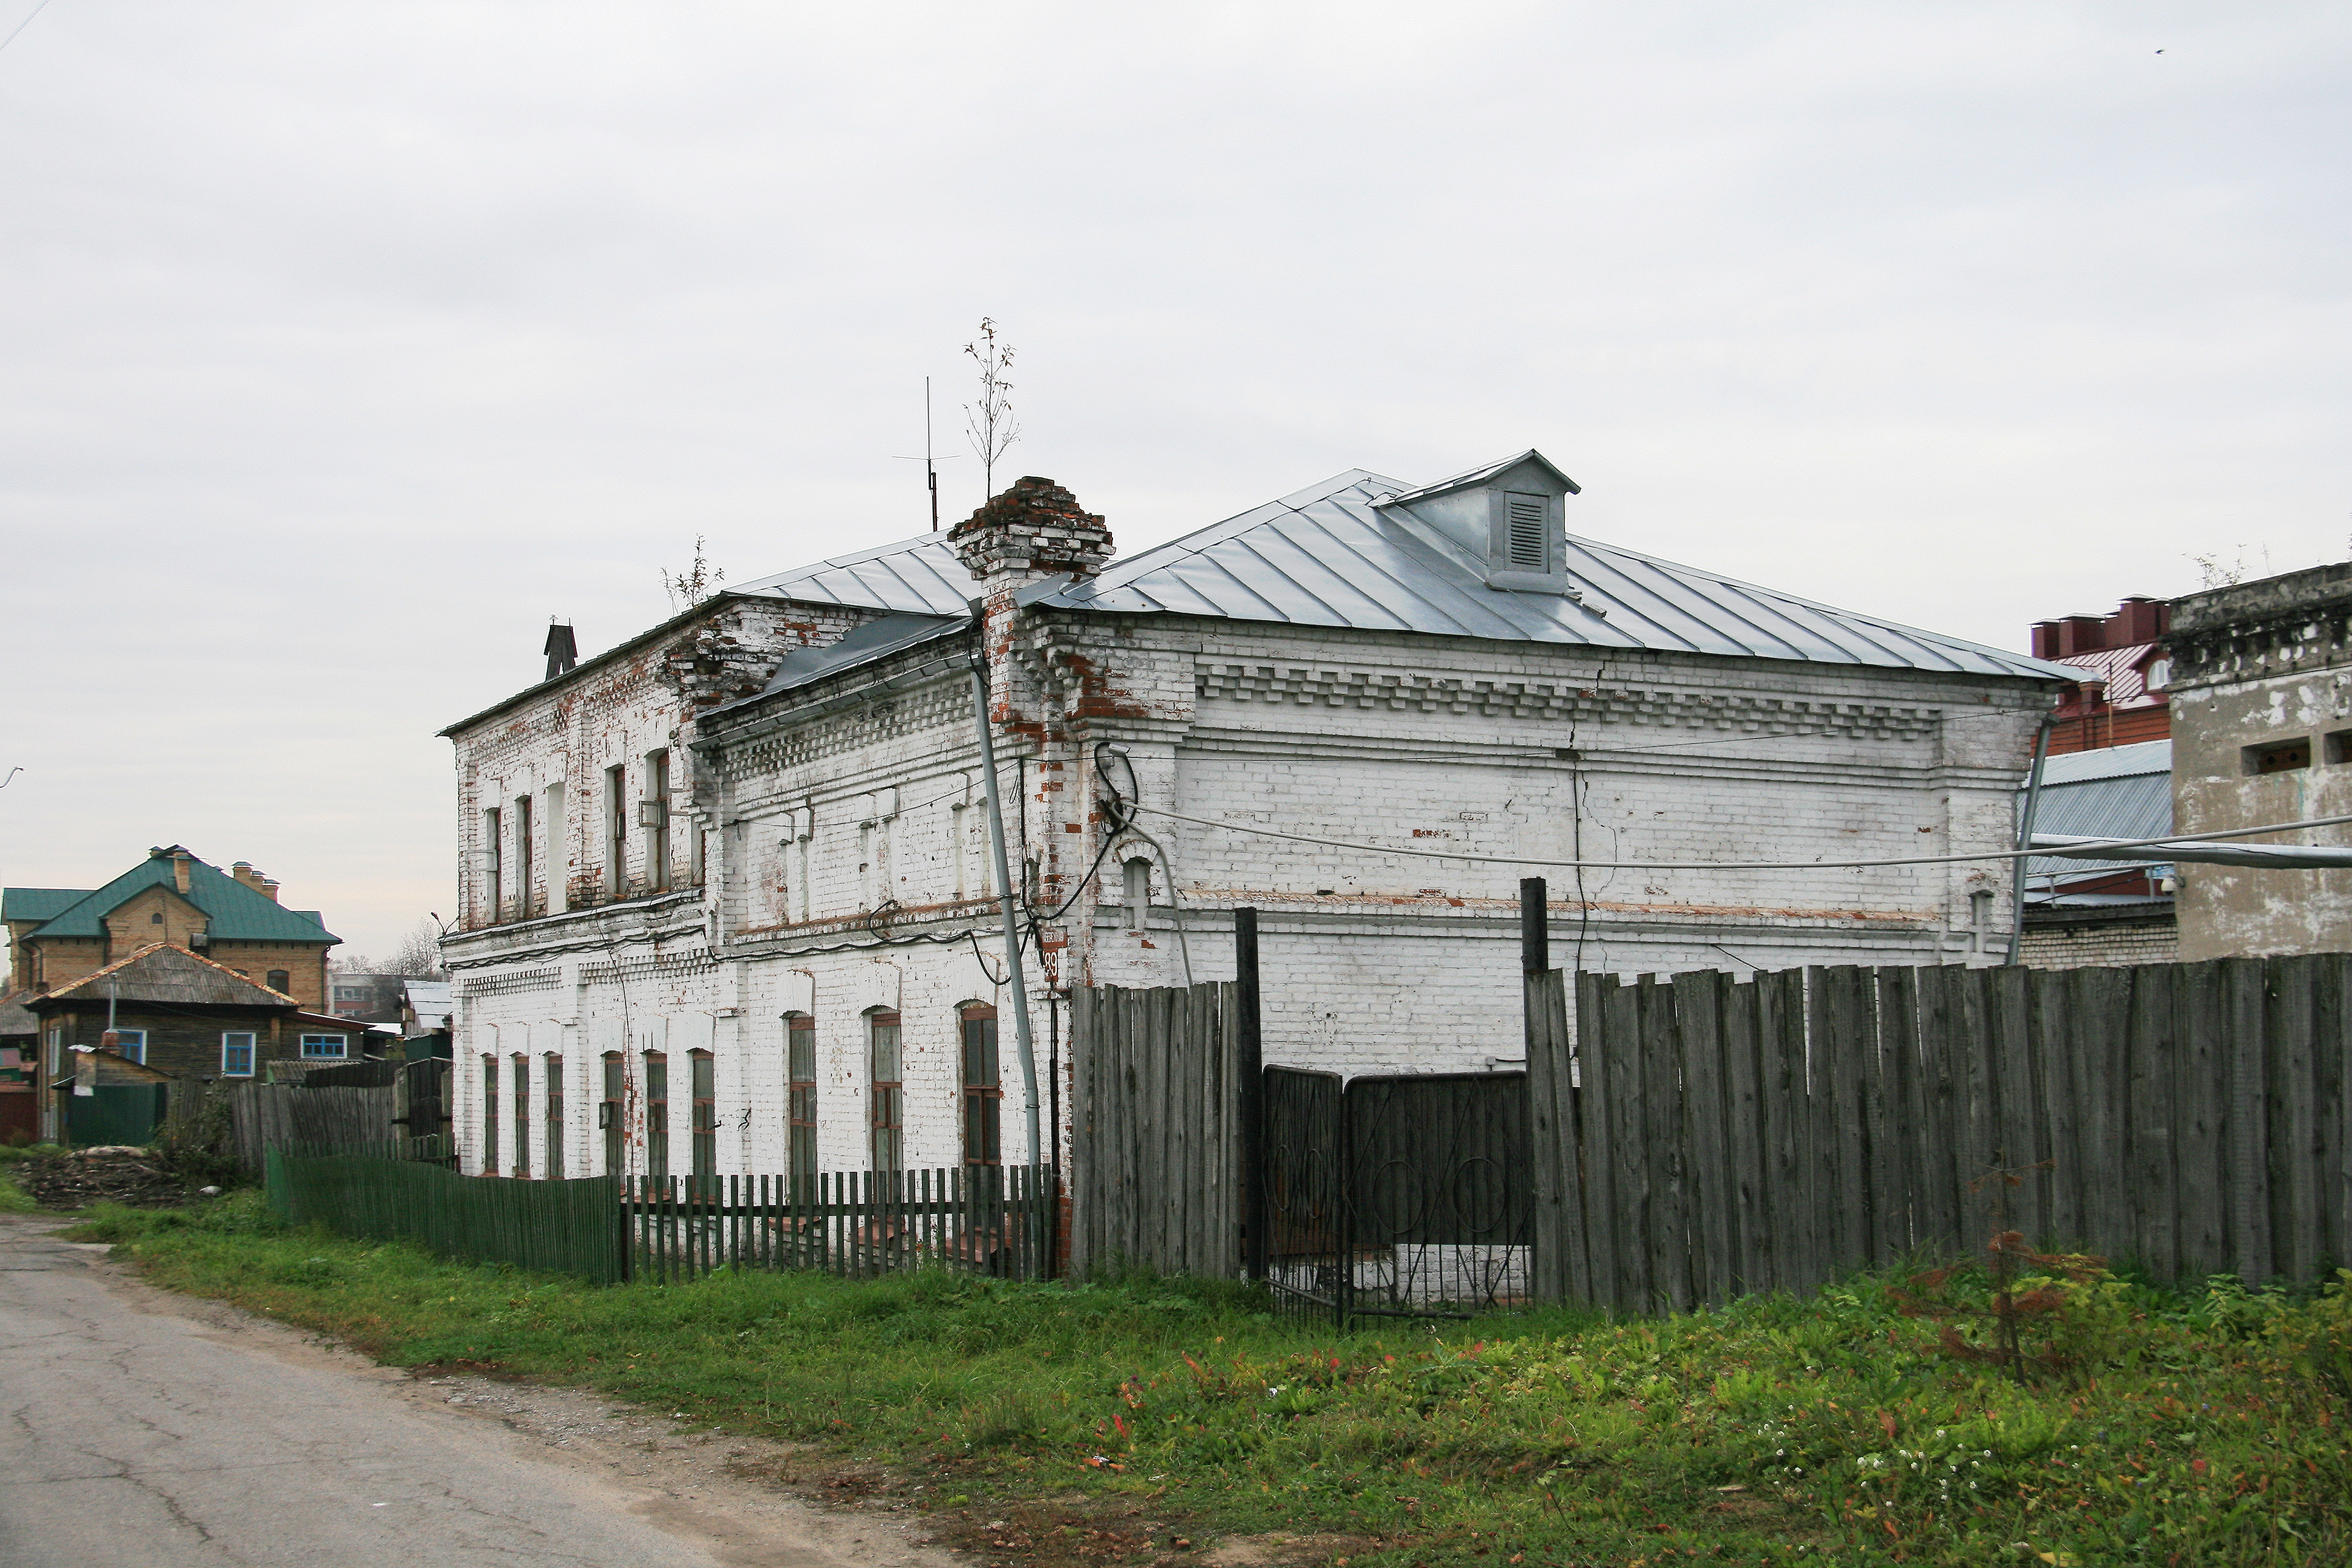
[(1249, 1067)]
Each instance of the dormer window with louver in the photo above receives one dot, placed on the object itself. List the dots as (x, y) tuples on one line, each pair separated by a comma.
[(1524, 533)]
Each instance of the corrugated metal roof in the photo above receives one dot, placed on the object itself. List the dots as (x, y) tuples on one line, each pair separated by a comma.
[(917, 576), (2104, 793), (1326, 557)]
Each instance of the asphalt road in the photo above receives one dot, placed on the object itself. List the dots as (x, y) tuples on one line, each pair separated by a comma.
[(143, 1430)]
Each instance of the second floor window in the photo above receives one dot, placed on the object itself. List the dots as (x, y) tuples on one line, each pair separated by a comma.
[(493, 888), (800, 1074), (279, 980), (522, 857), (617, 829), (888, 1105)]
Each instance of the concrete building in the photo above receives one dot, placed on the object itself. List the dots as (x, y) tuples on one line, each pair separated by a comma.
[(2260, 677), (728, 902)]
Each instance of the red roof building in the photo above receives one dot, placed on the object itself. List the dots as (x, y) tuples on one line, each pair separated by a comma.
[(2113, 705)]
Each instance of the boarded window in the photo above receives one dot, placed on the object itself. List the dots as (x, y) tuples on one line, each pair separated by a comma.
[(800, 1070), (1524, 519), (2279, 756), (887, 1104), (609, 1120), (983, 1088)]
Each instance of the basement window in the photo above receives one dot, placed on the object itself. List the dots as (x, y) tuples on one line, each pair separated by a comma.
[(2278, 756)]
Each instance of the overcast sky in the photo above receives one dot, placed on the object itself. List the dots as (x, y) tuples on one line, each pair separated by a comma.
[(345, 343)]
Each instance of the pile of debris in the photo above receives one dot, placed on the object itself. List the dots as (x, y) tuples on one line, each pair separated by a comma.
[(112, 1174)]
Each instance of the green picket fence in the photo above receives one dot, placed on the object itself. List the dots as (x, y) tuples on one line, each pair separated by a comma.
[(565, 1227), (986, 1220)]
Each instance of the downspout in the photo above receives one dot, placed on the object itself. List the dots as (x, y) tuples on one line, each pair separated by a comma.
[(1008, 899), (2025, 841)]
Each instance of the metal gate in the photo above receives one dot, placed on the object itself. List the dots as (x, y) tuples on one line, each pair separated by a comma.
[(1400, 1196)]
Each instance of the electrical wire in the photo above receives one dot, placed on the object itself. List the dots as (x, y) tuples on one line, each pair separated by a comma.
[(2027, 854)]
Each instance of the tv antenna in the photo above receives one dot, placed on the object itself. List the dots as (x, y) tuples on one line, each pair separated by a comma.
[(930, 464)]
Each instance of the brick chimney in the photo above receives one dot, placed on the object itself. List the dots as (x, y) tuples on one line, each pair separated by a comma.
[(180, 860), (1033, 530)]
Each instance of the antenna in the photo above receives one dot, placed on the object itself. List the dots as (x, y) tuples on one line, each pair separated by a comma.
[(930, 463)]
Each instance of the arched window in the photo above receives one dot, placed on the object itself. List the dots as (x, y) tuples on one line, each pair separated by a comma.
[(610, 1118), (490, 1116), (279, 980), (799, 1111), (657, 1115), (1136, 891), (706, 1113), (521, 1114), (887, 1102), (984, 1087), (552, 1159)]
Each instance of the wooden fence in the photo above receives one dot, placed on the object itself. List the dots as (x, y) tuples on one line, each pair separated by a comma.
[(988, 1220), (1708, 1138), (1156, 1146), (568, 1228)]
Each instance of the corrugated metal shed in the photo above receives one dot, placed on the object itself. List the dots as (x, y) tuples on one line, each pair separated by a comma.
[(2121, 792), (1326, 557)]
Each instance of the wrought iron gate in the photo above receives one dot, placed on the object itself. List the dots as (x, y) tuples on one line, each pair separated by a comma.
[(1403, 1196)]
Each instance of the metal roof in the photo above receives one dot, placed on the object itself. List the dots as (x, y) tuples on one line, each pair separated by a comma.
[(2119, 792), (916, 576), (1326, 557), (863, 644), (38, 904), (236, 912)]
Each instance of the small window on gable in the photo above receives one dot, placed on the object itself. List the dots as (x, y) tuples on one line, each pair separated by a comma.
[(1523, 522)]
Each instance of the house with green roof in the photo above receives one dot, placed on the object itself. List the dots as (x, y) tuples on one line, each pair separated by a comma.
[(57, 936)]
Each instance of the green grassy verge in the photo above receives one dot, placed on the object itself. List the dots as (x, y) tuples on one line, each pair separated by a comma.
[(2200, 1429), (12, 1196)]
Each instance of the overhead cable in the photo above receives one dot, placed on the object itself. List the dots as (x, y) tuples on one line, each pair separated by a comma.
[(2026, 854)]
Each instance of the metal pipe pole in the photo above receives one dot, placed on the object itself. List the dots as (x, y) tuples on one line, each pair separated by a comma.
[(1249, 1064), (1008, 904), (2025, 841)]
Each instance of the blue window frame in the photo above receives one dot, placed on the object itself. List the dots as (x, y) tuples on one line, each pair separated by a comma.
[(132, 1044), (236, 1055), (325, 1048)]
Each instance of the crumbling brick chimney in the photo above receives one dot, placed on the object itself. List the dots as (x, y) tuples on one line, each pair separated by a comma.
[(562, 650), (1033, 530)]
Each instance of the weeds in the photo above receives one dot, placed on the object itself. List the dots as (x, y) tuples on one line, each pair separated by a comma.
[(2209, 1427)]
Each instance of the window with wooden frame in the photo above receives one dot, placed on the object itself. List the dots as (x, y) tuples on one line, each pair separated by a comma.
[(617, 829), (490, 1116), (131, 1044), (706, 1113), (984, 1087), (610, 1115), (552, 1155), (238, 1053), (521, 1114), (799, 1080), (279, 980), (325, 1048), (522, 837), (657, 1115), (887, 1098)]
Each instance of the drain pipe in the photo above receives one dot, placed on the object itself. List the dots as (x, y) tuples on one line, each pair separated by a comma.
[(2025, 841), (1008, 901)]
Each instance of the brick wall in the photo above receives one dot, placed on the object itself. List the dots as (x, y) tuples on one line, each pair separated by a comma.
[(2100, 944)]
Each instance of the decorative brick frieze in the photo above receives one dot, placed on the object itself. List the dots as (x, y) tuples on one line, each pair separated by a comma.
[(510, 982), (1409, 692)]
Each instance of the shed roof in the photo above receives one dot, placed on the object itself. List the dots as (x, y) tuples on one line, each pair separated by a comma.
[(1327, 556), (2119, 792), (163, 973), (234, 911)]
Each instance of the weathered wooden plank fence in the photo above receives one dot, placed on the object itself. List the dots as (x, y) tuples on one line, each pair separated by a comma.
[(569, 1227), (984, 1219), (1156, 1150), (1705, 1137)]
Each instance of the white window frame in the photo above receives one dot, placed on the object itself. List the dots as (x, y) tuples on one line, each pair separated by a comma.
[(341, 1052), (252, 1052), (123, 1039)]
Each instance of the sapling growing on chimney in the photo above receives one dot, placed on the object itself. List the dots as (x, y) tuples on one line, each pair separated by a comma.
[(990, 422)]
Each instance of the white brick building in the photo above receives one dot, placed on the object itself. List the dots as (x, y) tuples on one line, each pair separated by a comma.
[(708, 871)]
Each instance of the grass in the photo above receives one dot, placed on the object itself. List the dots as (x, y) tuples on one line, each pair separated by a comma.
[(12, 1198), (2207, 1428)]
